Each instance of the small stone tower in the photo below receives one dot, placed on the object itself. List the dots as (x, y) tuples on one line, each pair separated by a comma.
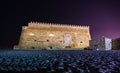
[(103, 43), (53, 36)]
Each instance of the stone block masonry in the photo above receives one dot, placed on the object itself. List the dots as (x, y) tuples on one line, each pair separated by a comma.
[(53, 36)]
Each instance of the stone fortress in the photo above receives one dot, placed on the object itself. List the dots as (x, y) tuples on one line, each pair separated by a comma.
[(53, 36)]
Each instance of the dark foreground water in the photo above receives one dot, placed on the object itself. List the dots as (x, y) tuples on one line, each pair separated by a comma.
[(57, 61)]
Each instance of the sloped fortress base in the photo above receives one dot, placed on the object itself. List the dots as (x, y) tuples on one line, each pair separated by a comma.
[(53, 36)]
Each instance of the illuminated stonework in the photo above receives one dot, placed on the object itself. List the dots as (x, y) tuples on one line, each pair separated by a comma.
[(31, 34), (53, 36)]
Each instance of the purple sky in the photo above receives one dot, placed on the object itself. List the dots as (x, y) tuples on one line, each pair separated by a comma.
[(103, 16)]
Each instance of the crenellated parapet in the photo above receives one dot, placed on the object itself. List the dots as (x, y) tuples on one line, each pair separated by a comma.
[(55, 26), (36, 24)]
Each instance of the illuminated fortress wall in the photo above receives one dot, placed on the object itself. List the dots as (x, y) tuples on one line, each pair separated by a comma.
[(53, 36)]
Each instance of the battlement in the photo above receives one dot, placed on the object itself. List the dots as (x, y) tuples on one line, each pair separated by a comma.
[(57, 27), (37, 24)]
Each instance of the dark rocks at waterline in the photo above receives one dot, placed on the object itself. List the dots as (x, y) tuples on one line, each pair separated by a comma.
[(60, 61)]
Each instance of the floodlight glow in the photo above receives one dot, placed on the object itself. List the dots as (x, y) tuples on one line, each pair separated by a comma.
[(31, 34), (51, 35)]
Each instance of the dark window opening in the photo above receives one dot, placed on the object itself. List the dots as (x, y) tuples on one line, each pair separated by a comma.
[(67, 46), (47, 40), (35, 40), (50, 47), (60, 41), (33, 47), (81, 42)]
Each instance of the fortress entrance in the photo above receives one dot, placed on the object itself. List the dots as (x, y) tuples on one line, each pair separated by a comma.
[(67, 40)]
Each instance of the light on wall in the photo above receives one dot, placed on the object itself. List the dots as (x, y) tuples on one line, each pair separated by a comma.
[(51, 35), (31, 34)]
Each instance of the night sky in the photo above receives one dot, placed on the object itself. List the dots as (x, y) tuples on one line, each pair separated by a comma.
[(103, 16)]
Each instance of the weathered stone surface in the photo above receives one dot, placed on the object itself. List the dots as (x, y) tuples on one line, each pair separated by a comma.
[(116, 44), (52, 36), (101, 44)]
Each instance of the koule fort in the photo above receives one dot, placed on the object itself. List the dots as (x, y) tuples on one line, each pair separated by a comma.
[(53, 36)]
